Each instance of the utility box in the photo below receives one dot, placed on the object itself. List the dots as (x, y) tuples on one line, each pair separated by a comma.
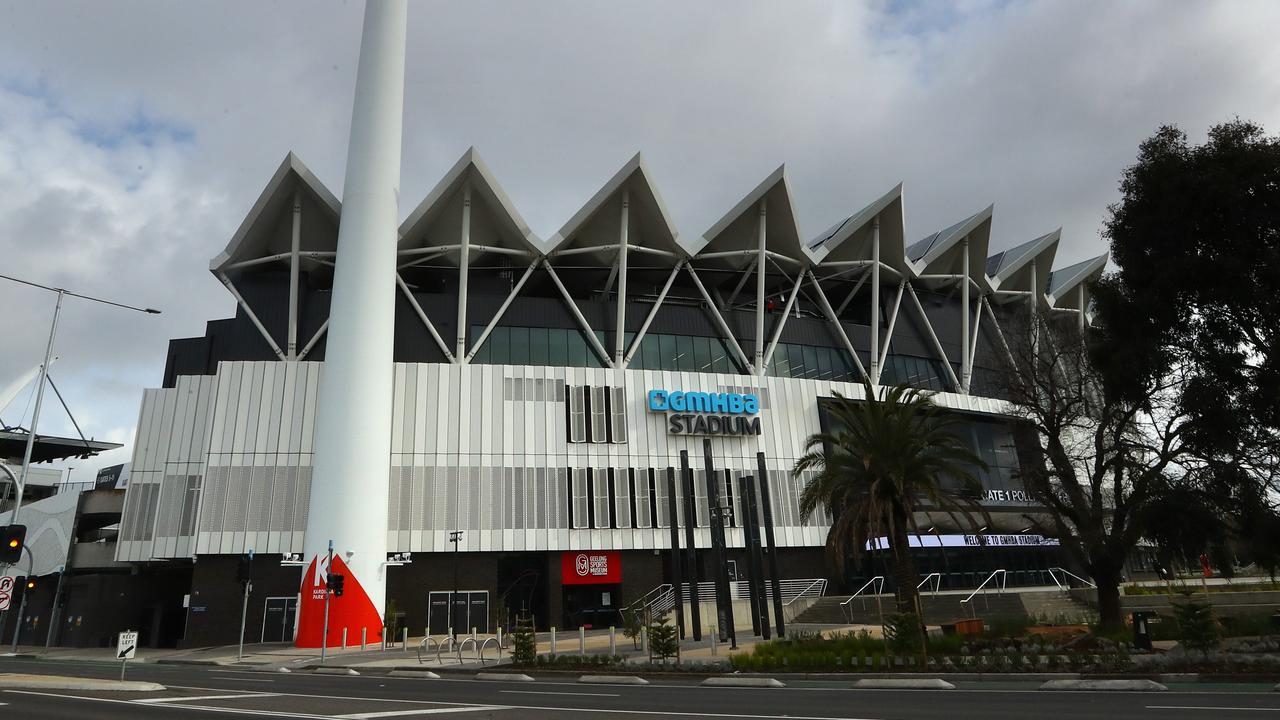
[(1142, 630)]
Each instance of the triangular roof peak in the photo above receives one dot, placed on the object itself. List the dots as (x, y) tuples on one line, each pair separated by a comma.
[(851, 239), (506, 227), (259, 234), (1010, 269), (596, 223), (939, 253), (738, 229), (1063, 290)]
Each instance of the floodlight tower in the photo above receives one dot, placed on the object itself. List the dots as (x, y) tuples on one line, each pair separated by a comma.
[(351, 466)]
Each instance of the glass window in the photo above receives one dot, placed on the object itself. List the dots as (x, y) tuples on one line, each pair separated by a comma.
[(722, 357), (684, 353), (781, 361), (702, 354), (557, 347), (577, 349), (538, 346), (825, 368), (650, 353), (519, 346), (667, 348), (500, 346), (810, 355)]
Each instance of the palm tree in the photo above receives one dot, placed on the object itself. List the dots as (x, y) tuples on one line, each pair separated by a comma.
[(881, 462)]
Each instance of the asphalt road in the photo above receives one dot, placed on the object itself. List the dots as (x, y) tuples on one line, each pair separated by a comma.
[(206, 693)]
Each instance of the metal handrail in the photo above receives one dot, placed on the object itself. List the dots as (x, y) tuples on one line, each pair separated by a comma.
[(937, 582), (1066, 585), (821, 583), (878, 581), (1003, 579), (426, 642), (485, 644)]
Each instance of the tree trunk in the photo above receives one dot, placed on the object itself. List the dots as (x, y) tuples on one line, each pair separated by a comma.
[(904, 572), (1110, 614)]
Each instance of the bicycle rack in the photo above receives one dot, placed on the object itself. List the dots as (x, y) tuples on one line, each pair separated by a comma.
[(440, 647), (485, 644), (463, 644), (426, 643)]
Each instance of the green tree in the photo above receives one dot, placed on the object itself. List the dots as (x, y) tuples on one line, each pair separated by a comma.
[(1196, 239), (1197, 629), (883, 462), (1097, 461), (663, 641), (524, 644)]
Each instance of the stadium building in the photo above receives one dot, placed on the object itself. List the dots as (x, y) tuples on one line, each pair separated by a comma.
[(544, 386)]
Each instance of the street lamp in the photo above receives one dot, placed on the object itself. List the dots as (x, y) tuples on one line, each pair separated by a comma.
[(455, 537), (44, 374)]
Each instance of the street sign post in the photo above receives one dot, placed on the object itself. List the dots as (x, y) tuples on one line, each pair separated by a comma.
[(126, 647)]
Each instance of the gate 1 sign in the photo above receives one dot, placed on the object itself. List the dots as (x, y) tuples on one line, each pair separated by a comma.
[(591, 567)]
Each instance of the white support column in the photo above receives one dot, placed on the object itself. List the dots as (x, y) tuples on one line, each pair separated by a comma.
[(746, 274), (999, 333), (464, 272), (253, 317), (306, 349), (760, 258), (965, 367), (620, 326), (724, 326), (351, 467), (515, 290), (782, 321), (972, 350), (875, 301), (635, 342), (849, 298), (937, 346), (893, 320), (835, 323), (577, 314), (422, 316), (1080, 302), (295, 246), (1032, 309)]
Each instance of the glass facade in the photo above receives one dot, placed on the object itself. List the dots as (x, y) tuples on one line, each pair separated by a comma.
[(560, 347)]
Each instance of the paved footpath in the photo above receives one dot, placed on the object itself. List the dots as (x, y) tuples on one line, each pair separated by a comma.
[(207, 692)]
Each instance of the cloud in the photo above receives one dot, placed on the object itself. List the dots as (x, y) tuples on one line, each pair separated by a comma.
[(135, 136)]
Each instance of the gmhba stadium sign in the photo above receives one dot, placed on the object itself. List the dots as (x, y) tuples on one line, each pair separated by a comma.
[(699, 413)]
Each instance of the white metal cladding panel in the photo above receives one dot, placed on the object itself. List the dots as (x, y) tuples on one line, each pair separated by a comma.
[(480, 447)]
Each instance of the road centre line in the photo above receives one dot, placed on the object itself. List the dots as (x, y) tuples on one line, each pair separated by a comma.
[(1211, 707), (207, 697), (557, 692), (422, 711)]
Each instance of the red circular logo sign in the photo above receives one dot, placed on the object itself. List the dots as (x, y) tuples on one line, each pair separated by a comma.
[(582, 565)]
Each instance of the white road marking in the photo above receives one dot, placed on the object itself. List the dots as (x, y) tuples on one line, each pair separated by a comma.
[(206, 708), (554, 692), (207, 697), (1210, 707), (423, 711)]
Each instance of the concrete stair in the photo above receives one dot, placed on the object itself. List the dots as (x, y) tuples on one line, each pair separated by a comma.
[(1050, 604)]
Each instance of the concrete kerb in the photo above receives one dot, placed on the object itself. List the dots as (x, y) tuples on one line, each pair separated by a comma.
[(327, 670), (903, 684), (1105, 685), (18, 681), (504, 677), (424, 674), (742, 681), (613, 680)]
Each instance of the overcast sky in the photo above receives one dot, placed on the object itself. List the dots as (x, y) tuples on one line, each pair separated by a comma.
[(134, 136)]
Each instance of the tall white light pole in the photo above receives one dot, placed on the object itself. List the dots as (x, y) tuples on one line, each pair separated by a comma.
[(352, 461), (43, 377)]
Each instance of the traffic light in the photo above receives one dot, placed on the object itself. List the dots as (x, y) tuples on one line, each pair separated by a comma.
[(335, 584), (11, 539), (244, 570), (31, 584)]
